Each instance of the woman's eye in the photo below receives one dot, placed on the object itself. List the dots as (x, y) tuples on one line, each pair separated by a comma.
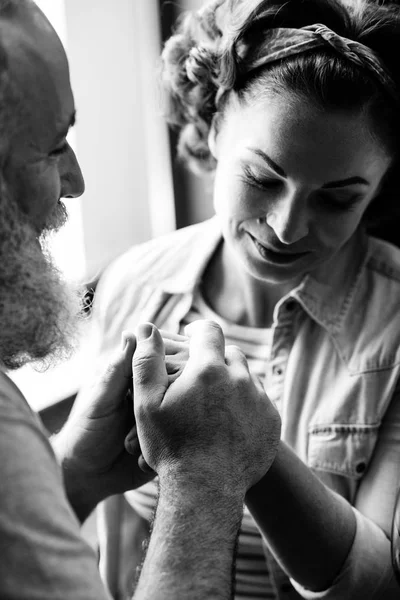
[(59, 151), (341, 202), (264, 183)]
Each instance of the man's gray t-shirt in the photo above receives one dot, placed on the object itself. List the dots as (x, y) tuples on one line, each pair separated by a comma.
[(42, 554)]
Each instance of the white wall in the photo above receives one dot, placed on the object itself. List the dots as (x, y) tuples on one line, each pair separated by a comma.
[(105, 52), (68, 245)]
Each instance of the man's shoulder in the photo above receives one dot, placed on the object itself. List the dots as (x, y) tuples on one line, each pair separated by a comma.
[(11, 398), (14, 406)]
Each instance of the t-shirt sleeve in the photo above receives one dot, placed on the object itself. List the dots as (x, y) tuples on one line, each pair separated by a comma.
[(42, 553)]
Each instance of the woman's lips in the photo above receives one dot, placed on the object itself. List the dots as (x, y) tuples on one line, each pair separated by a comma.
[(276, 256)]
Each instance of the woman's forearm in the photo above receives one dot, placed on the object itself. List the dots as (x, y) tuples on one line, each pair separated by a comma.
[(192, 545), (309, 528)]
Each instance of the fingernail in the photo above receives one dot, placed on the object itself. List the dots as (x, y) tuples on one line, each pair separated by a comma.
[(144, 331)]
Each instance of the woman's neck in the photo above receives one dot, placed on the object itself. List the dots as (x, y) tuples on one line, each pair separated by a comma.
[(236, 295)]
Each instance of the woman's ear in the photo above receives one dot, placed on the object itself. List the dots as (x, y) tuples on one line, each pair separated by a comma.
[(212, 139)]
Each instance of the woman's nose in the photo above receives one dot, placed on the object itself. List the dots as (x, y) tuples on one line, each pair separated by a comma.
[(72, 182), (289, 219)]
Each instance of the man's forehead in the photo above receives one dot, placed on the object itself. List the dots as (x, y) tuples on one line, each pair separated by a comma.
[(37, 66), (26, 36)]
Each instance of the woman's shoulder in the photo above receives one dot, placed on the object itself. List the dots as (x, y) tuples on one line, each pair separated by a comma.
[(139, 260), (156, 261), (370, 332), (384, 260)]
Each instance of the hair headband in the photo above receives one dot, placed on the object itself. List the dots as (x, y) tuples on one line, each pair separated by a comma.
[(285, 42)]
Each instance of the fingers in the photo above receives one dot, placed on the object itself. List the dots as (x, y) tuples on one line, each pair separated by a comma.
[(131, 442), (258, 383), (173, 347), (128, 342), (112, 384), (150, 379), (206, 342), (132, 446), (235, 358), (176, 356), (167, 336), (144, 466)]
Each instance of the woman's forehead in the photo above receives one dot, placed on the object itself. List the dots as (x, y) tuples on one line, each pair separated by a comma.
[(299, 136)]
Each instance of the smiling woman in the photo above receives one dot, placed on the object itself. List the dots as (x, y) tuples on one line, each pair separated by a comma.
[(293, 107)]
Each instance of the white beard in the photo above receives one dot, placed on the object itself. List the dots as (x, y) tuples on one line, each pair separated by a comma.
[(39, 312)]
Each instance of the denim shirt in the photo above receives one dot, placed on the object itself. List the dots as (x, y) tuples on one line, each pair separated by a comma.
[(334, 368)]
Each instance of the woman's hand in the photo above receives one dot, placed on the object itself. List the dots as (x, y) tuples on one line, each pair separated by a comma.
[(176, 353)]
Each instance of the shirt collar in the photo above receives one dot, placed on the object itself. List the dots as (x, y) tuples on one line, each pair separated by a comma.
[(193, 258), (325, 295)]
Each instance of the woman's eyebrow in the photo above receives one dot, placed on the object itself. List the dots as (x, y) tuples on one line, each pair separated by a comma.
[(355, 180), (272, 164)]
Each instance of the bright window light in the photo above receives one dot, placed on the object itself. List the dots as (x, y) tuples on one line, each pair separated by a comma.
[(67, 247)]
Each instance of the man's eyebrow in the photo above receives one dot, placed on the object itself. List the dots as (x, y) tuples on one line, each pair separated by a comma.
[(64, 132), (355, 180)]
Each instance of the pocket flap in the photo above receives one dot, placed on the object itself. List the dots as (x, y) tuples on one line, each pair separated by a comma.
[(342, 449)]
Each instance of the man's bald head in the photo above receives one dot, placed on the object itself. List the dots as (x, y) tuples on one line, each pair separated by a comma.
[(37, 169)]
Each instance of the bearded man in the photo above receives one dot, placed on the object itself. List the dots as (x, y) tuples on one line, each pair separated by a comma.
[(42, 554)]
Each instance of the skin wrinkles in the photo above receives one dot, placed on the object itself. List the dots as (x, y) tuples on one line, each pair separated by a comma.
[(308, 200)]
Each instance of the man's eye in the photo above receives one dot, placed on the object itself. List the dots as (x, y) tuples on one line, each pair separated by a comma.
[(59, 151)]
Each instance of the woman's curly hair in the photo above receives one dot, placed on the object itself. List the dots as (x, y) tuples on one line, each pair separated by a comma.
[(190, 74), (213, 49)]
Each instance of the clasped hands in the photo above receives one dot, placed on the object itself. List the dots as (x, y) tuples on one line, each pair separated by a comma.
[(187, 404)]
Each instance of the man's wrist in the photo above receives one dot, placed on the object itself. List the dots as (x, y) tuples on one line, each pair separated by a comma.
[(191, 484), (196, 526)]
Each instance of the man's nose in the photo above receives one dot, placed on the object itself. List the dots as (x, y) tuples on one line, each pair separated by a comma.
[(289, 218), (72, 182)]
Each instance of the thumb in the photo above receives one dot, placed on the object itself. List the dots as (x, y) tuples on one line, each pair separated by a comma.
[(150, 379)]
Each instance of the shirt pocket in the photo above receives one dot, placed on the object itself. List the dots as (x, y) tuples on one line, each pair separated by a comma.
[(342, 449)]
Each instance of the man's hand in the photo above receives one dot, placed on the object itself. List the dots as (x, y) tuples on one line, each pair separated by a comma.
[(90, 447), (214, 420)]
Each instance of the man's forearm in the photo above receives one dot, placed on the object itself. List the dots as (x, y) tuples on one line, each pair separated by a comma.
[(192, 545), (308, 527)]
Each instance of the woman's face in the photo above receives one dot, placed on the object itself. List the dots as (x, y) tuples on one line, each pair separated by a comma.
[(292, 183)]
